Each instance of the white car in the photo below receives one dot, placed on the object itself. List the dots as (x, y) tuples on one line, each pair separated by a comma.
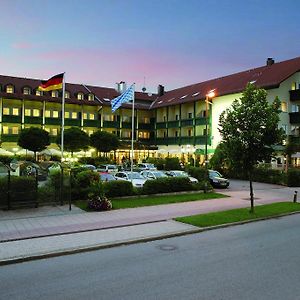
[(136, 178), (146, 166), (108, 168), (153, 174), (177, 173)]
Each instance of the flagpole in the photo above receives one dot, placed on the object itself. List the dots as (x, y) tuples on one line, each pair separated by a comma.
[(132, 131), (62, 119)]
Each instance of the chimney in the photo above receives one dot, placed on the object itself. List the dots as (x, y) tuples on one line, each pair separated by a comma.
[(270, 61), (121, 87), (160, 90)]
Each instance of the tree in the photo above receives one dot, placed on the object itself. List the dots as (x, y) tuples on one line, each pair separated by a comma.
[(249, 129), (75, 140), (104, 141), (34, 139)]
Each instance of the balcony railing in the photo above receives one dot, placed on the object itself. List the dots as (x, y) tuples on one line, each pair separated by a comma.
[(161, 125), (72, 122), (200, 121), (187, 140), (52, 121), (295, 118), (173, 124), (201, 140), (111, 124), (146, 126), (295, 95), (187, 122), (33, 120), (12, 119), (9, 137), (126, 125), (91, 123)]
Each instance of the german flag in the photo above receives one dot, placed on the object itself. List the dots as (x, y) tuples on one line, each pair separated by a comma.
[(54, 83)]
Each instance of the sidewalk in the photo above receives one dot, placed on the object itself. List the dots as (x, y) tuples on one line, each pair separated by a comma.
[(45, 231)]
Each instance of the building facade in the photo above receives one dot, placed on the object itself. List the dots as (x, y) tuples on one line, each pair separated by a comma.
[(179, 122)]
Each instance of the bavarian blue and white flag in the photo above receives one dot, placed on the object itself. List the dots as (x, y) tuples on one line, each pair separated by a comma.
[(125, 97)]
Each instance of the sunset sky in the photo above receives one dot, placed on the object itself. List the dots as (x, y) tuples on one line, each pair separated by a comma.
[(169, 42)]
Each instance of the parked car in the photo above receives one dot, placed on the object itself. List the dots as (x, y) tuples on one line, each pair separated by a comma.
[(108, 168), (104, 176), (136, 178), (217, 180), (177, 173), (153, 174), (146, 166)]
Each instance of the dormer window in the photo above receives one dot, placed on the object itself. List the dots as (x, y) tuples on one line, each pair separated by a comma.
[(10, 89), (80, 96), (91, 97), (39, 93), (54, 94), (67, 95), (26, 90)]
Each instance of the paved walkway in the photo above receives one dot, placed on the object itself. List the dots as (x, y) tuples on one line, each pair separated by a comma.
[(29, 232)]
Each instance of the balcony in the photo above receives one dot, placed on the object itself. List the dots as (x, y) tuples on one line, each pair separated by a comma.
[(52, 121), (295, 118), (161, 125), (33, 120), (173, 124), (187, 123), (187, 140), (200, 121), (9, 137), (168, 141), (111, 124), (72, 122), (91, 123), (295, 95), (145, 126), (201, 140), (126, 125), (11, 119)]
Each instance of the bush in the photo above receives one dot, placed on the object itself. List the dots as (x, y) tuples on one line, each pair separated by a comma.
[(167, 185), (172, 163), (198, 172), (158, 162), (99, 204), (263, 174), (118, 188), (293, 177)]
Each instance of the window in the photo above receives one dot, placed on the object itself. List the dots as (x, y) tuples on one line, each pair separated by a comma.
[(190, 132), (38, 93), (36, 112), (176, 133), (165, 118), (5, 130), (147, 120), (26, 90), (144, 135), (176, 117), (91, 97), (84, 116), (27, 112), (284, 127), (80, 96), (10, 89), (67, 114), (6, 111), (92, 116), (126, 119), (54, 114), (47, 113), (190, 115), (294, 86), (15, 130), (54, 131), (54, 94), (74, 115), (165, 134), (283, 106), (15, 111), (295, 108), (67, 95)]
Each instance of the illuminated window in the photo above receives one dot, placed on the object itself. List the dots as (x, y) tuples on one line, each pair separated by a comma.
[(54, 94), (90, 132), (9, 89), (27, 112), (147, 120), (26, 91), (67, 114), (36, 112), (6, 111), (54, 131), (47, 129), (74, 115), (38, 93), (67, 95), (54, 114), (91, 97), (144, 135), (294, 86), (84, 115), (15, 130), (5, 130), (92, 116), (283, 106), (126, 119), (15, 111), (80, 96), (47, 113)]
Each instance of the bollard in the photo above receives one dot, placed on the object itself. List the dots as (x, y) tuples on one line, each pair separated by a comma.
[(295, 197)]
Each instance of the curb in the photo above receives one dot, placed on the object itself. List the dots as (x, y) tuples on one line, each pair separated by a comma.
[(137, 241)]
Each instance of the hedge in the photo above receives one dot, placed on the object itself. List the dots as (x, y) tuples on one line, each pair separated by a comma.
[(293, 177), (118, 188)]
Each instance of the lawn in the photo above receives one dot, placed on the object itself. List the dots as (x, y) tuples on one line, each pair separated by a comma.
[(241, 214), (156, 200)]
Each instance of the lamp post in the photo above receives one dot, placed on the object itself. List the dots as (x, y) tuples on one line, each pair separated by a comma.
[(211, 94)]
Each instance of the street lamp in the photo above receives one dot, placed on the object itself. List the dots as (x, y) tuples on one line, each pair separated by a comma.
[(211, 94)]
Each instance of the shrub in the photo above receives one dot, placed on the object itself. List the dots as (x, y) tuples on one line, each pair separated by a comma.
[(167, 185), (99, 203), (158, 162), (172, 163), (118, 188), (197, 172), (293, 177)]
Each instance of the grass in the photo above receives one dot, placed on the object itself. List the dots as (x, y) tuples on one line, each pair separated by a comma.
[(241, 214), (155, 200)]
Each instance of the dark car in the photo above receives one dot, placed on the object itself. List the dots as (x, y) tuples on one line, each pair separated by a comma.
[(217, 180)]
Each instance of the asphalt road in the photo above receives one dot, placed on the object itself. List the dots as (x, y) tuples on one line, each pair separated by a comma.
[(255, 261)]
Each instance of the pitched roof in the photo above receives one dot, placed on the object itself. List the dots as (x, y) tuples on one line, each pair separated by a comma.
[(264, 77)]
